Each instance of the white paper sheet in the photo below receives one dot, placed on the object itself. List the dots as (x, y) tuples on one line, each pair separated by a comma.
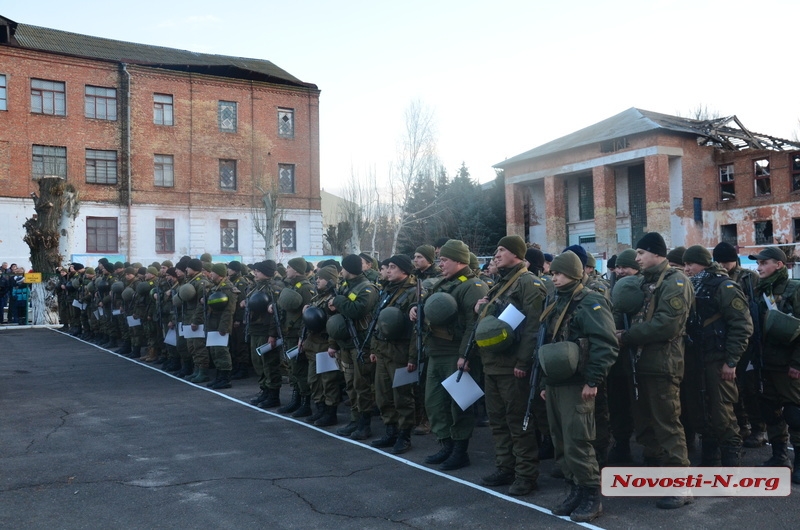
[(133, 322), (171, 338), (465, 392), (199, 334), (96, 314), (116, 312), (214, 338), (512, 316), (326, 363), (77, 304), (292, 354), (403, 377), (100, 311), (266, 347)]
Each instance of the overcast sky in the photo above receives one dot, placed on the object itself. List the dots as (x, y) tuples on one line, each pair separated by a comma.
[(502, 76)]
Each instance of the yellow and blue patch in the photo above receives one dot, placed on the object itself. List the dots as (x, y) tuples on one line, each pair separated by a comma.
[(679, 282), (595, 307)]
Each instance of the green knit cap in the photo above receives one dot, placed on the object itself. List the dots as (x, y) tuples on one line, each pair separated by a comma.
[(627, 258), (568, 264), (455, 250), (697, 254)]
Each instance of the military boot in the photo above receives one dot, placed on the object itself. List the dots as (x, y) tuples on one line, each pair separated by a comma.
[(201, 377), (591, 506), (403, 443), (305, 408), (731, 455), (223, 380), (125, 349), (547, 450), (192, 375), (186, 368), (572, 501), (364, 429), (756, 439), (329, 418), (273, 399), (388, 439), (320, 411), (293, 405), (348, 429), (780, 456), (136, 352), (458, 458), (710, 454), (444, 452), (112, 343), (260, 398), (152, 355)]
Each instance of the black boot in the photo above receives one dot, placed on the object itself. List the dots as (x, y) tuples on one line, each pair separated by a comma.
[(443, 454), (591, 506), (328, 418), (193, 374), (260, 398), (223, 380), (273, 399), (731, 455), (293, 405), (136, 352), (388, 439), (364, 429), (403, 443), (780, 456), (318, 413), (458, 458), (756, 439), (348, 429), (572, 501), (305, 408), (620, 453), (186, 368), (710, 453), (547, 450), (125, 349)]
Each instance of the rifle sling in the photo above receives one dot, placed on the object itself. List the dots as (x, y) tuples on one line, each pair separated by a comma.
[(560, 319), (503, 289)]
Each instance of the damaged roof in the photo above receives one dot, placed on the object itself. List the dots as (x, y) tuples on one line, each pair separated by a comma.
[(64, 42), (726, 133)]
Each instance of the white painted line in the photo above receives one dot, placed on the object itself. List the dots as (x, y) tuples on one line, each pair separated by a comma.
[(396, 458)]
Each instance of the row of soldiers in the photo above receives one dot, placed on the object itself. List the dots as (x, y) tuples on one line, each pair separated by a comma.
[(561, 367)]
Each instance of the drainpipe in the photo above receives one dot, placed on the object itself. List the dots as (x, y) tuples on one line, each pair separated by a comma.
[(128, 152)]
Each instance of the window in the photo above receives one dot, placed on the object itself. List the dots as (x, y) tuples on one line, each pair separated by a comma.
[(585, 198), (162, 109), (796, 228), (48, 97), (49, 160), (100, 103), (727, 190), (165, 235), (226, 111), (763, 232), (164, 172), (3, 93), (730, 235), (286, 123), (761, 171), (229, 235), (101, 234), (795, 171), (288, 236), (101, 167), (227, 175), (286, 178)]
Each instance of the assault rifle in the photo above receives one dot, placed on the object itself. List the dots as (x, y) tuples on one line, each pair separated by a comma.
[(632, 359), (756, 342), (372, 324), (419, 329), (275, 316), (536, 368), (468, 350), (247, 315), (351, 330)]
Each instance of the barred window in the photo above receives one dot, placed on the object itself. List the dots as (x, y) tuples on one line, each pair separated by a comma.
[(101, 234), (165, 235), (227, 175), (162, 109), (227, 116), (3, 93), (48, 97), (49, 160), (164, 171), (286, 123), (286, 178), (100, 103), (288, 236), (586, 198), (101, 167), (229, 235)]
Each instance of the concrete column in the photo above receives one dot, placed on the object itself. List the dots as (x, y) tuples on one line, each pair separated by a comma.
[(656, 175), (516, 195), (605, 209), (555, 212)]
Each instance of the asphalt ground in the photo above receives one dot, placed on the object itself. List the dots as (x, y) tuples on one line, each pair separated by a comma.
[(89, 439)]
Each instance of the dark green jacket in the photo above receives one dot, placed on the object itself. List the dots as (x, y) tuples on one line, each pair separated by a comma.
[(403, 296), (356, 300), (786, 293), (292, 321), (222, 321), (453, 338)]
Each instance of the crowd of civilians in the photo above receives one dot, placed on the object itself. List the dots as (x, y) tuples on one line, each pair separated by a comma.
[(14, 294)]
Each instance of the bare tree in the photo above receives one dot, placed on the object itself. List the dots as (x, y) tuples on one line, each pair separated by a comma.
[(416, 153), (267, 218), (701, 112)]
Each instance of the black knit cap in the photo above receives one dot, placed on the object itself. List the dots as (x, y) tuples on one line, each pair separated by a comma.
[(403, 263), (78, 266), (725, 253), (352, 264), (535, 257), (676, 255), (578, 251), (612, 262), (235, 266), (171, 272), (118, 265), (654, 243), (195, 264), (267, 267), (697, 254)]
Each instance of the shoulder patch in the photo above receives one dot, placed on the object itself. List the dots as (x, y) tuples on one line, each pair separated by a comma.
[(738, 304), (537, 283), (679, 282), (676, 302), (352, 296), (462, 278), (729, 285), (595, 307), (298, 285)]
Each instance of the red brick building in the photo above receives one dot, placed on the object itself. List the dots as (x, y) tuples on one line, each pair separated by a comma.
[(694, 181), (171, 151)]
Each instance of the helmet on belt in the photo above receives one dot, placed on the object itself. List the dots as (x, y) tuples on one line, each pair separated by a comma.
[(780, 328), (102, 285), (314, 318), (440, 309), (76, 283), (258, 302), (187, 292), (290, 300), (217, 300), (559, 360), (493, 335), (142, 288), (117, 287), (337, 328), (392, 323), (127, 294), (627, 296)]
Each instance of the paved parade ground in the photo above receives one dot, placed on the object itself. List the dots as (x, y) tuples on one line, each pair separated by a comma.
[(89, 439)]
